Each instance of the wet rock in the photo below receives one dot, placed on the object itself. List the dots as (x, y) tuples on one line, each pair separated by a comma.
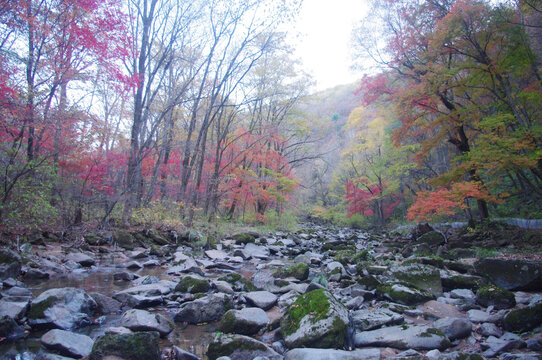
[(139, 301), (106, 305), (404, 337), (63, 308), (512, 274), (10, 264), (123, 276), (367, 319), (524, 319), (10, 330), (180, 354), (141, 320), (495, 296), (36, 274), (454, 328), (151, 263), (424, 277), (239, 347), (67, 343), (136, 346), (247, 321), (315, 319), (209, 308), (134, 265), (14, 309), (326, 354), (261, 299), (405, 295), (81, 259), (147, 280)]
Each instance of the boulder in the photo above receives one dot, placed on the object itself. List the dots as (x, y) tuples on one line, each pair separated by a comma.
[(524, 319), (245, 238), (495, 296), (239, 283), (141, 320), (136, 346), (404, 337), (63, 308), (13, 309), (315, 319), (247, 321), (327, 354), (432, 238), (300, 271), (67, 343), (452, 280), (180, 354), (80, 258), (208, 308), (454, 328), (424, 277), (512, 274), (239, 347), (261, 299), (367, 319), (403, 294), (10, 264), (193, 284), (479, 316), (106, 305)]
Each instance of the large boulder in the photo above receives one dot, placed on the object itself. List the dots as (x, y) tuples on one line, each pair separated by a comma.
[(136, 346), (247, 321), (141, 320), (209, 308), (512, 274), (495, 296), (431, 238), (193, 284), (10, 264), (424, 277), (454, 328), (404, 337), (67, 343), (239, 347), (262, 299), (524, 319), (367, 319), (404, 294), (81, 259), (299, 271), (62, 308), (315, 319), (327, 354)]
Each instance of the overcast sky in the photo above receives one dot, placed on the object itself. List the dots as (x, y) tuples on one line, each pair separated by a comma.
[(324, 43)]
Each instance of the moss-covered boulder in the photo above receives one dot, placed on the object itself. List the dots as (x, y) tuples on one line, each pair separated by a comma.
[(369, 282), (431, 238), (299, 271), (512, 274), (124, 240), (239, 347), (247, 321), (525, 319), (498, 297), (208, 308), (315, 319), (245, 237), (193, 284), (238, 282), (423, 277), (453, 280), (136, 346), (403, 294), (10, 264)]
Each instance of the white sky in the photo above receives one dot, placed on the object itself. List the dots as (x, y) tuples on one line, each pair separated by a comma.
[(324, 43)]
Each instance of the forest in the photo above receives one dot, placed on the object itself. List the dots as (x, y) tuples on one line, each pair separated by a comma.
[(167, 113)]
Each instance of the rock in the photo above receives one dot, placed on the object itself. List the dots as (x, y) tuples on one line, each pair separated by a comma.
[(223, 286), (141, 320), (133, 265), (431, 238), (495, 296), (188, 266), (479, 316), (453, 280), (354, 303), (216, 254), (261, 299), (147, 280), (403, 294), (209, 308), (42, 355), (239, 283), (490, 329), (63, 308), (465, 294), (315, 319), (151, 263), (136, 346), (123, 276), (424, 277), (81, 259), (106, 305), (36, 274), (193, 284), (239, 347), (139, 301), (264, 279), (145, 295), (247, 321), (10, 330), (13, 309), (10, 264), (67, 343), (523, 356), (512, 274), (299, 271), (524, 319), (438, 310), (245, 238), (327, 354), (493, 346), (181, 354), (366, 319), (404, 337), (454, 328), (256, 251)]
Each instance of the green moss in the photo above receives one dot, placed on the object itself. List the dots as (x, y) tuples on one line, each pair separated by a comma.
[(406, 298), (225, 345), (314, 303), (369, 281), (136, 346), (124, 239), (299, 271), (495, 295), (37, 309), (239, 282), (193, 285), (432, 331), (227, 323), (244, 238), (526, 319)]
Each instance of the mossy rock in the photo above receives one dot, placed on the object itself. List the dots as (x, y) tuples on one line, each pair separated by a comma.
[(525, 319), (435, 261), (498, 297), (238, 347), (245, 237), (423, 277), (10, 264), (136, 346), (369, 281), (299, 271), (344, 256), (124, 240), (431, 238), (462, 281), (193, 285), (403, 294), (239, 283), (157, 237), (37, 309), (95, 239), (315, 319)]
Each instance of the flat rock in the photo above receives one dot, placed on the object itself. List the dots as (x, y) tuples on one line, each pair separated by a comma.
[(404, 337), (13, 309), (262, 299), (141, 320), (81, 259), (67, 343), (208, 308), (328, 354), (247, 321), (454, 328), (240, 347), (479, 316), (366, 319), (438, 310), (512, 274), (216, 254)]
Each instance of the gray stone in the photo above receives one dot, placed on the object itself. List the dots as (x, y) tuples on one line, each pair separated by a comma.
[(421, 276), (239, 347), (247, 321), (216, 254), (366, 319), (209, 308), (10, 264), (181, 354), (490, 329), (256, 251), (405, 295), (512, 274), (223, 286), (354, 303), (141, 320), (42, 355), (521, 356), (465, 294), (36, 274), (81, 259), (123, 276), (454, 328), (328, 354), (262, 299), (106, 305), (67, 343), (13, 309), (479, 316), (404, 337), (493, 346), (121, 346)]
